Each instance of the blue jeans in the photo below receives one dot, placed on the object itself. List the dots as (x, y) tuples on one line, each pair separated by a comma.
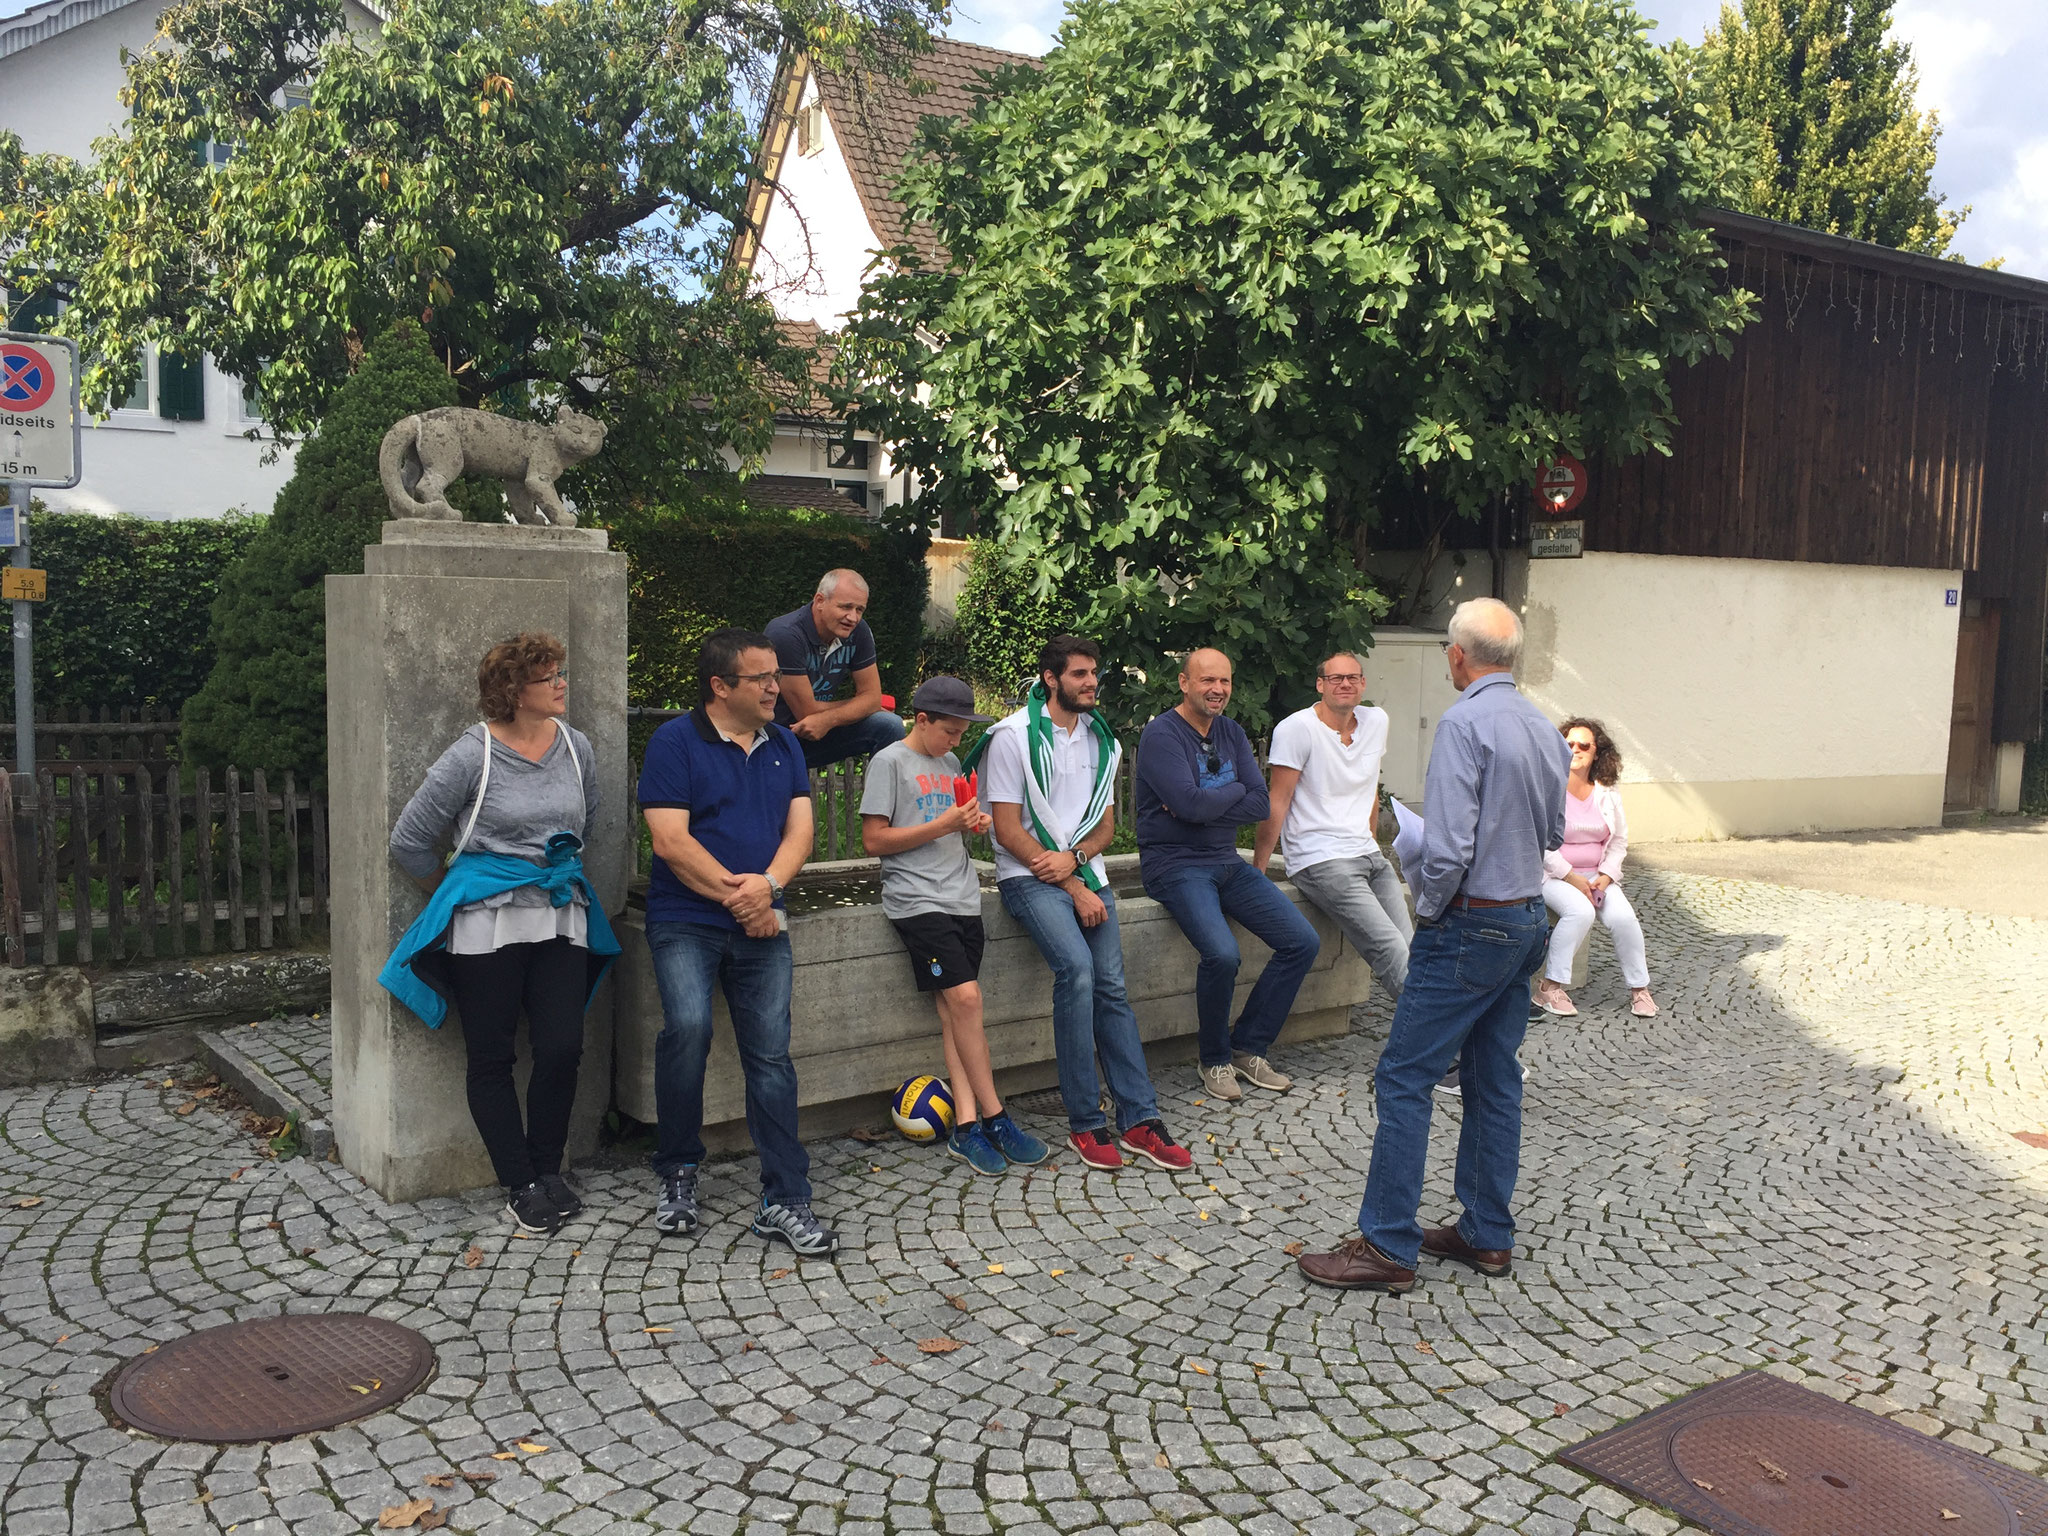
[(1203, 898), (860, 739), (689, 958), (1091, 1017), (1467, 1000)]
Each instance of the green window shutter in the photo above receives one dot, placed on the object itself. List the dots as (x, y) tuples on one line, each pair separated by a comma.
[(35, 312), (180, 388)]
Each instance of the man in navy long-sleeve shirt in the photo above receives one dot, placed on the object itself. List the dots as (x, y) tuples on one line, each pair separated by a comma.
[(1198, 782)]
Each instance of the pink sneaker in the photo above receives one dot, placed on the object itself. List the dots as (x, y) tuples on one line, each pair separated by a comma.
[(1553, 999), (1641, 1004)]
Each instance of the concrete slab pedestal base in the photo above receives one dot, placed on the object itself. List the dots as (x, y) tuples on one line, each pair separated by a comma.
[(403, 643)]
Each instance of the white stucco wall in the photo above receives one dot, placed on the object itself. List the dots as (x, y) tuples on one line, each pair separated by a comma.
[(1751, 696), (816, 241)]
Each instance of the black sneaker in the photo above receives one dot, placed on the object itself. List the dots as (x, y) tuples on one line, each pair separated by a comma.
[(676, 1211), (562, 1195), (532, 1210)]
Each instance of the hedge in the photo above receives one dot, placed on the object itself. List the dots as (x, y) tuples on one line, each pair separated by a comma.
[(716, 561), (1005, 624), (126, 623)]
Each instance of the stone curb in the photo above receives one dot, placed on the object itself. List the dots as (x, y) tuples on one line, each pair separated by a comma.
[(265, 1094)]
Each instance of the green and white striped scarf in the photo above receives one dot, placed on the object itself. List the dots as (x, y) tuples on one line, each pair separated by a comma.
[(1038, 731)]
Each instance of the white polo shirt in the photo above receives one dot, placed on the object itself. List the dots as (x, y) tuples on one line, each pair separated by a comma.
[(1074, 755), (1334, 798)]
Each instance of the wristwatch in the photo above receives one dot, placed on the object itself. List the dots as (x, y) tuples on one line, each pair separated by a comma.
[(775, 887)]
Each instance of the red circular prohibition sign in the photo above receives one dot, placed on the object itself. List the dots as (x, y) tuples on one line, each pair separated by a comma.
[(26, 377)]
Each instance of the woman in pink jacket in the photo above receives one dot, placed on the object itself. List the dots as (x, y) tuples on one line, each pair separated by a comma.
[(1582, 879)]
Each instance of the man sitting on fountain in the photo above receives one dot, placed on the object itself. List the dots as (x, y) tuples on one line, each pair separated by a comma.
[(821, 648), (1051, 788), (914, 813)]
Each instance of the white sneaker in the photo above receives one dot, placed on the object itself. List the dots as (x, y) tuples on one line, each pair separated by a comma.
[(1222, 1083), (1254, 1070)]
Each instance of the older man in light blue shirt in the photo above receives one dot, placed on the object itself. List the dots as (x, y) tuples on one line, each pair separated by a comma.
[(1495, 804)]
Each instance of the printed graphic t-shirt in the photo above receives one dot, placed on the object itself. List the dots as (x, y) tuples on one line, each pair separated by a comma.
[(826, 661), (912, 789)]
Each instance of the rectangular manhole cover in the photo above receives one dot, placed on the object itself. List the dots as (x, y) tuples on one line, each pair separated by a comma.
[(1756, 1456)]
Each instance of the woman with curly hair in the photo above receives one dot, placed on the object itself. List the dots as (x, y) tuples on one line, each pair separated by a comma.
[(511, 922), (1582, 879)]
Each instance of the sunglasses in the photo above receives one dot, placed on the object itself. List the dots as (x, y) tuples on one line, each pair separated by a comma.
[(1580, 746), (1211, 758)]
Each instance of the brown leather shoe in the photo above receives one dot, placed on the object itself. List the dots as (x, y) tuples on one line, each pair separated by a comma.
[(1449, 1243), (1355, 1265)]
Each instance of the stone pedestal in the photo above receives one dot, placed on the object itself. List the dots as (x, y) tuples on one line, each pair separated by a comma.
[(403, 643)]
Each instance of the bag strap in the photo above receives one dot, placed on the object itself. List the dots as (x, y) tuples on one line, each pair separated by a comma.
[(576, 763), (483, 783)]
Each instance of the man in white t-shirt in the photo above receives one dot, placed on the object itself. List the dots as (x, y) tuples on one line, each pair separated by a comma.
[(1325, 768)]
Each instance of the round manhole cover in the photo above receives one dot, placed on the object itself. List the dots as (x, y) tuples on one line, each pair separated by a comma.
[(1798, 1475), (271, 1378)]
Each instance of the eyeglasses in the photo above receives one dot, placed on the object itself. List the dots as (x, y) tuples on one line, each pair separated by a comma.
[(758, 679), (1580, 746), (1343, 677), (555, 679)]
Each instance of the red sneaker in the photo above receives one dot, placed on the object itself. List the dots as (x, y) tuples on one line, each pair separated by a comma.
[(1148, 1138), (1096, 1149)]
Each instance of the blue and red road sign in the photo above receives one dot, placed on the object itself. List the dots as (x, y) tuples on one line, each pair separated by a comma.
[(26, 377)]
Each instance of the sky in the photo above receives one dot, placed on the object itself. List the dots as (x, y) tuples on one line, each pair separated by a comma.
[(1976, 59)]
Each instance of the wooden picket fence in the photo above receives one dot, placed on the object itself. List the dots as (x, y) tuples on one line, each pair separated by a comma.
[(80, 735), (105, 861)]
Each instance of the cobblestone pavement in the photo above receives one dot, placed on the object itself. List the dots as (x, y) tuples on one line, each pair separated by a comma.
[(1806, 1165)]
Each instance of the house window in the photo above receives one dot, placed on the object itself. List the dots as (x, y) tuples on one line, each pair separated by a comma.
[(810, 128), (252, 400), (852, 455), (855, 491), (296, 98), (138, 398)]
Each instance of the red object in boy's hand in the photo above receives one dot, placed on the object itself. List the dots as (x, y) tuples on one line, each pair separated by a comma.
[(974, 785), (961, 793)]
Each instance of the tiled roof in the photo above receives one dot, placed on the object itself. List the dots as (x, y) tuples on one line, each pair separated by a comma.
[(875, 120), (40, 23), (797, 492)]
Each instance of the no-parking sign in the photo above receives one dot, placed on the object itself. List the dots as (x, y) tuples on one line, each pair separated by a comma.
[(38, 410)]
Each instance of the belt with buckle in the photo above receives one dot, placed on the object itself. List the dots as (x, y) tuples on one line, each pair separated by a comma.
[(1485, 901)]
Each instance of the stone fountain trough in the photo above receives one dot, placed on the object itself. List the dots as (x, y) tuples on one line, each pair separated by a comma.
[(860, 1027)]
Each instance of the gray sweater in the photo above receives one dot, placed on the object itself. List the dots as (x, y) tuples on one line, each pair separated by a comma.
[(526, 804)]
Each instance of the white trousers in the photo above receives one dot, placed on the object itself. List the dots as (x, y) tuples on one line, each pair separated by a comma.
[(1575, 917)]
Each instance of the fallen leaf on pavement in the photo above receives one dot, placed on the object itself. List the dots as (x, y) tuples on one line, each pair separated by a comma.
[(1425, 1346), (401, 1517), (275, 1226), (995, 1269), (879, 1360), (354, 1388), (1558, 1410), (1203, 1214), (474, 1257), (747, 1347), (1777, 1473), (62, 1337), (1200, 1369), (777, 1274), (480, 1477), (1949, 1514), (1064, 1333), (531, 1447), (204, 1498), (188, 1106), (1161, 1461), (1700, 1482), (1057, 1273), (937, 1346), (28, 1204), (439, 1479), (958, 1304), (1293, 1248), (504, 1455), (789, 1418), (868, 1134), (657, 1330), (432, 1520)]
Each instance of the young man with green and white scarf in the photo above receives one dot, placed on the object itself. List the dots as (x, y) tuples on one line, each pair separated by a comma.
[(1051, 785)]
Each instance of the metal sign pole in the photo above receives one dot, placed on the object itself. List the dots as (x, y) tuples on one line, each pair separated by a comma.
[(24, 648)]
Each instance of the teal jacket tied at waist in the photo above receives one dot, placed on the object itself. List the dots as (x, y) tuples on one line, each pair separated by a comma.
[(416, 973)]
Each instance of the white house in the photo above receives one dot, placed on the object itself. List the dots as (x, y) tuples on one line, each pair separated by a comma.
[(182, 444)]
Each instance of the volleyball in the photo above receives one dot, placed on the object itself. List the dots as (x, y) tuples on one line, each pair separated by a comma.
[(922, 1109)]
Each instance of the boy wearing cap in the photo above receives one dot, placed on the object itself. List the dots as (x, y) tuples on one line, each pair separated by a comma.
[(913, 819)]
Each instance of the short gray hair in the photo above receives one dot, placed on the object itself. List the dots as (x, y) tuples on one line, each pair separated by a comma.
[(1489, 632), (829, 582), (1357, 660)]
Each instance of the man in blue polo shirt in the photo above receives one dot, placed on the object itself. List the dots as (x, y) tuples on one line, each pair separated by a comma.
[(831, 681), (728, 805)]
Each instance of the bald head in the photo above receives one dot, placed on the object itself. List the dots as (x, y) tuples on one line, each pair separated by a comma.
[(1204, 686), (1489, 634)]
